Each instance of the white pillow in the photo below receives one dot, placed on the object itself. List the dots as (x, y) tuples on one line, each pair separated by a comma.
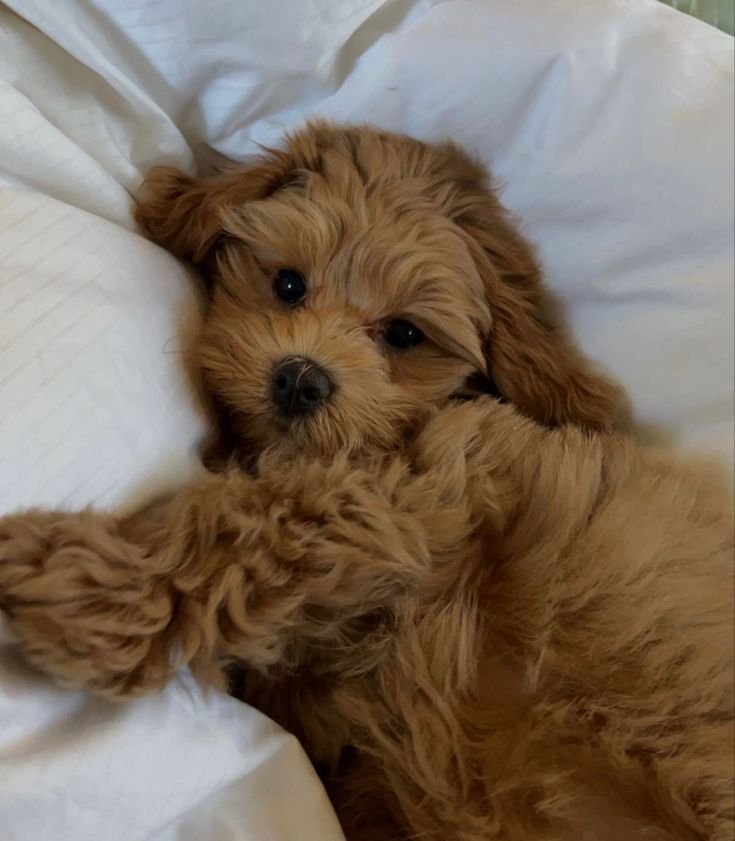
[(97, 408)]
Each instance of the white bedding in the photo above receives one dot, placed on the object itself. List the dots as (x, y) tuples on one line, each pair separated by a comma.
[(611, 126)]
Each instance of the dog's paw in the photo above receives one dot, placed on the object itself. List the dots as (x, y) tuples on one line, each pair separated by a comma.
[(463, 451), (76, 600), (26, 541)]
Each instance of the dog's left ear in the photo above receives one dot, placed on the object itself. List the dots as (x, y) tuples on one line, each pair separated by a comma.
[(532, 361), (186, 215)]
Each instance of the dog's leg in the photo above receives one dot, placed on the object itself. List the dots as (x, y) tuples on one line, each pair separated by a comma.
[(232, 568), (263, 571), (613, 594), (634, 629)]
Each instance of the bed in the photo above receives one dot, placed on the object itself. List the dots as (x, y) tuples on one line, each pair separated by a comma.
[(610, 127)]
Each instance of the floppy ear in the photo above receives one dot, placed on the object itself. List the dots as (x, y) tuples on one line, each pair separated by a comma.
[(532, 361), (184, 214)]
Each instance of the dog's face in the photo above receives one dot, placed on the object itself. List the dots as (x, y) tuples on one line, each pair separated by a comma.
[(343, 305), (339, 312), (358, 279)]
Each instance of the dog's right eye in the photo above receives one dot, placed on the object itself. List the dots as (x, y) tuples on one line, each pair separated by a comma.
[(289, 286)]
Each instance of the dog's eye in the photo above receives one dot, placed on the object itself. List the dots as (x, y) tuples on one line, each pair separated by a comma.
[(289, 286), (403, 334)]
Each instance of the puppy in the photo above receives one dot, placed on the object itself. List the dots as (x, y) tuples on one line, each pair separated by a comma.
[(485, 615)]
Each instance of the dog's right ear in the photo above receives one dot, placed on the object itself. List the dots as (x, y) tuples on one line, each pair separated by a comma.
[(185, 214)]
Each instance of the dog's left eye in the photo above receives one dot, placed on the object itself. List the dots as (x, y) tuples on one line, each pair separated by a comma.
[(402, 334), (289, 286)]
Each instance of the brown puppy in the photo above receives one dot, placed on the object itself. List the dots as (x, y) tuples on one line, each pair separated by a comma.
[(482, 620)]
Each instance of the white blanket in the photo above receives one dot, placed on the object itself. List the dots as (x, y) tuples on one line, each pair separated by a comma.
[(611, 126), (183, 765)]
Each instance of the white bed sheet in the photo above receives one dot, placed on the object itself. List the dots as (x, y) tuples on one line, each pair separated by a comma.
[(611, 126), (183, 765)]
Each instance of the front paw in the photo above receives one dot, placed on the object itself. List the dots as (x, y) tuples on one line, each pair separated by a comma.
[(446, 445), (27, 542), (465, 451), (77, 601)]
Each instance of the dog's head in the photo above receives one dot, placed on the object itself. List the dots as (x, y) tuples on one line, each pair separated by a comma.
[(357, 278)]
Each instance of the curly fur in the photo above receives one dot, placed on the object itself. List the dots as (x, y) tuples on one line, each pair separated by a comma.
[(484, 620)]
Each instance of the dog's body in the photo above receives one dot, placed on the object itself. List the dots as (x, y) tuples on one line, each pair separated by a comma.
[(481, 627)]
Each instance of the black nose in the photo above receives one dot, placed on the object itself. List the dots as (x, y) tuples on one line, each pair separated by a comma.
[(299, 386)]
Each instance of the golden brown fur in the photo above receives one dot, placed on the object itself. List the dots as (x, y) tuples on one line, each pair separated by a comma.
[(484, 621)]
